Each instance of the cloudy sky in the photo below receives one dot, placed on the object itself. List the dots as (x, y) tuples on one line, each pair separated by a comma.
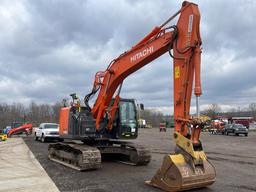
[(51, 48)]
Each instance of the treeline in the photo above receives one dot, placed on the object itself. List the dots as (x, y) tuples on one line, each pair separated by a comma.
[(214, 110), (38, 113), (34, 113)]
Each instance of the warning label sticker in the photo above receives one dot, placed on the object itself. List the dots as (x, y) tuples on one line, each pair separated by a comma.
[(177, 72)]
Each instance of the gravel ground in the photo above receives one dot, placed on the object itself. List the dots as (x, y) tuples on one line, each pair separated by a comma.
[(233, 157)]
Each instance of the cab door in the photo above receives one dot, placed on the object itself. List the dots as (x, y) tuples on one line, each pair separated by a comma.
[(128, 124)]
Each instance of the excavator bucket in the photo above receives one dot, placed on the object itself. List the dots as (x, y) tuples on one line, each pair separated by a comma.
[(179, 173)]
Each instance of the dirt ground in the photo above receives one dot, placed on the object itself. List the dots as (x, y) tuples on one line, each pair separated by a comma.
[(233, 157)]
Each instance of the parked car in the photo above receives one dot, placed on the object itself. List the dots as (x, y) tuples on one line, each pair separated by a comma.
[(47, 131), (236, 129)]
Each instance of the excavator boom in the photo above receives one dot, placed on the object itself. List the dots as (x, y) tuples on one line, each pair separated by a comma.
[(185, 41)]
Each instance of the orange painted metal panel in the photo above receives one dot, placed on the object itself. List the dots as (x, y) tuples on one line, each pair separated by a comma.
[(64, 113)]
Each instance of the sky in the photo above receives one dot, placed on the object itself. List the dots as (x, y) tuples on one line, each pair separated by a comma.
[(52, 48)]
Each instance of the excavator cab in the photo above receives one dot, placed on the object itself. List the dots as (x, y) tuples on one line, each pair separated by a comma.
[(125, 125), (78, 122)]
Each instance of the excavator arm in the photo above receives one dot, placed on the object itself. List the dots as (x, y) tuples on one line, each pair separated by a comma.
[(188, 167), (184, 39)]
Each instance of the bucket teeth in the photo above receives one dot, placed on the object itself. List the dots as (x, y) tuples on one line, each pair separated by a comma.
[(178, 174)]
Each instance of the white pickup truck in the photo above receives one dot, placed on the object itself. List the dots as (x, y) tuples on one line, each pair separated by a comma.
[(47, 131)]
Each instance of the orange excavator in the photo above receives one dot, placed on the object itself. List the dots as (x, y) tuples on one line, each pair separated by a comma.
[(104, 127), (18, 128)]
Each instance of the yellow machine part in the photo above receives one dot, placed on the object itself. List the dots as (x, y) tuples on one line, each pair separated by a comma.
[(181, 171), (3, 137)]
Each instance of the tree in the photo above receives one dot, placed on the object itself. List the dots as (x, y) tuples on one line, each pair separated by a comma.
[(56, 111), (252, 109), (212, 110)]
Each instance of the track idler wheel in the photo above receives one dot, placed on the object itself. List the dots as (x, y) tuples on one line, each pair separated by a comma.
[(179, 173)]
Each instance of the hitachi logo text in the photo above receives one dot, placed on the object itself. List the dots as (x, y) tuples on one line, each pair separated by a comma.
[(142, 53)]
